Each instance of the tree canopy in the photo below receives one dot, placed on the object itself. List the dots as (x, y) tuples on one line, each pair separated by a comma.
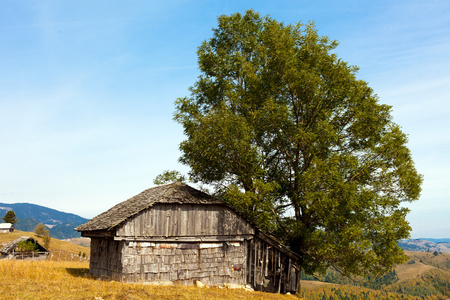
[(284, 131), (168, 176), (41, 230), (10, 217)]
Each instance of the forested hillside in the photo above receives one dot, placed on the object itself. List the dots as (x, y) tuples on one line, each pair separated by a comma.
[(60, 224), (426, 275)]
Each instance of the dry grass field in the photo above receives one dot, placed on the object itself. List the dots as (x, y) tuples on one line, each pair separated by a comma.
[(85, 242), (440, 260), (406, 272), (65, 275), (71, 280)]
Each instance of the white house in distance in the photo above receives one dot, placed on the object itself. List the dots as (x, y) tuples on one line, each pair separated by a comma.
[(6, 227)]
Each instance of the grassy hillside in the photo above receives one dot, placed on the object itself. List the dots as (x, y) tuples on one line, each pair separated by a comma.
[(425, 275), (60, 250), (70, 280), (438, 260), (433, 283), (83, 241)]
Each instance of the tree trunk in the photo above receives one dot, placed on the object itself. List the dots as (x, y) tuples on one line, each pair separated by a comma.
[(299, 284)]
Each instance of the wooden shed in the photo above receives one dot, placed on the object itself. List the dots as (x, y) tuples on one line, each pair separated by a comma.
[(176, 233), (14, 250)]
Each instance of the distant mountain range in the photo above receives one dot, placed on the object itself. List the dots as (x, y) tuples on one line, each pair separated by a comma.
[(426, 244), (436, 240), (60, 224)]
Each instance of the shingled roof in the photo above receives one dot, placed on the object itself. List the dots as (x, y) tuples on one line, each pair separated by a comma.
[(176, 192)]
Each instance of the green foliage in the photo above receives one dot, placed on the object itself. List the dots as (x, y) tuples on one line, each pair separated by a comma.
[(10, 217), (169, 176), (256, 203), (284, 131), (381, 281), (27, 246)]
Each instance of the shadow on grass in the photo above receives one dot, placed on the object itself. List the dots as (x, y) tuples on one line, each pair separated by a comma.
[(78, 272)]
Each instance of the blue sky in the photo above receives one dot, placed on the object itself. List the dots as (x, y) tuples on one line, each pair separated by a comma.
[(87, 91)]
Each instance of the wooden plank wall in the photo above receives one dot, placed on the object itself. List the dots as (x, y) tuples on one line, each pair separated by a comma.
[(269, 269), (175, 220), (183, 263), (253, 262), (106, 258), (157, 245)]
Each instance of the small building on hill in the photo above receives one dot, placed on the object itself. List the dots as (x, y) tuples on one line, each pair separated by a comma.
[(6, 227), (176, 233), (25, 248)]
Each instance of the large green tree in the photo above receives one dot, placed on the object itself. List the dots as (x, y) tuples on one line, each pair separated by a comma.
[(283, 129)]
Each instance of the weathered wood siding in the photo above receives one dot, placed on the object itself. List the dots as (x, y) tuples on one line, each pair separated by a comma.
[(182, 243), (183, 263), (269, 269), (106, 258), (175, 220)]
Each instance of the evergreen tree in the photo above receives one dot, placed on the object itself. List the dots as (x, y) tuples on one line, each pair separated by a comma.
[(10, 217)]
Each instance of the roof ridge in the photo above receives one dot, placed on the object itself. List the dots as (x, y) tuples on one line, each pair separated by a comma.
[(173, 192)]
